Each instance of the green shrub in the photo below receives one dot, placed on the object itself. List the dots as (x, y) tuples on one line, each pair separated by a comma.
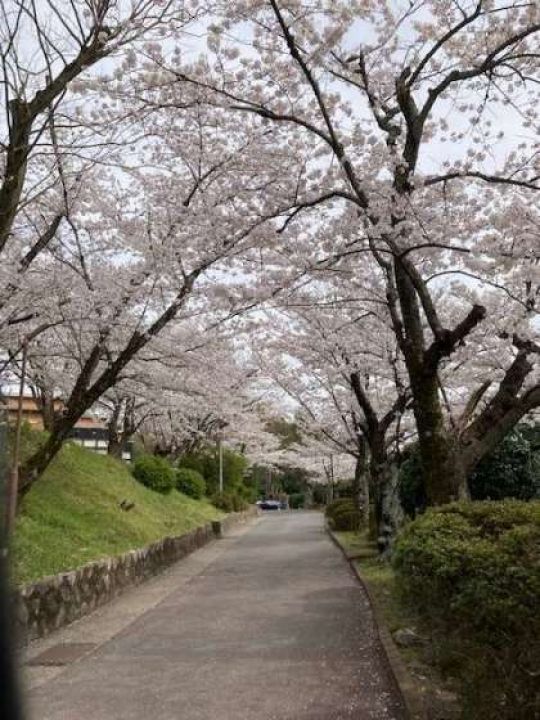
[(512, 471), (336, 505), (190, 482), (319, 494), (239, 503), (472, 571), (222, 502), (154, 472), (347, 519), (343, 515), (412, 493), (297, 500), (206, 462), (229, 502)]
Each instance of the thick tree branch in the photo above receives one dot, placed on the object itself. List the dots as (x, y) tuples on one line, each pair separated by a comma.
[(531, 184), (22, 116), (445, 344)]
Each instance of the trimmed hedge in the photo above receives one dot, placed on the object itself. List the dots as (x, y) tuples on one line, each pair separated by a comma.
[(229, 502), (343, 516), (297, 500), (154, 472), (190, 482), (472, 571), (331, 508)]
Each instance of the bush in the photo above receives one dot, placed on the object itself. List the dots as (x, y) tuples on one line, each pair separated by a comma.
[(190, 482), (319, 494), (229, 502), (412, 494), (511, 471), (206, 462), (297, 500), (342, 515), (472, 571), (154, 472), (239, 503), (336, 505), (222, 502), (347, 519)]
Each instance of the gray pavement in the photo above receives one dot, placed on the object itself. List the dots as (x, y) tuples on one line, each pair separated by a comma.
[(268, 624)]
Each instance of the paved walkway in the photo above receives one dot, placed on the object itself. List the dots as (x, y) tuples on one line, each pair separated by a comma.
[(268, 624)]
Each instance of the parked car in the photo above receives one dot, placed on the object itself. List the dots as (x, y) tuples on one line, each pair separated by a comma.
[(270, 505)]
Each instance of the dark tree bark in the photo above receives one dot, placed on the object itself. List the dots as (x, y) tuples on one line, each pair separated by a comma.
[(44, 397), (22, 117), (360, 486), (505, 409), (382, 482), (115, 440)]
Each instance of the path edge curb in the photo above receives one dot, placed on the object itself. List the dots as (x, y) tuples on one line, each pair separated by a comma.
[(41, 608), (408, 689)]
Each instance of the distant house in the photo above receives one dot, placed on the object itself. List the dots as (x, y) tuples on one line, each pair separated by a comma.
[(90, 432), (30, 410)]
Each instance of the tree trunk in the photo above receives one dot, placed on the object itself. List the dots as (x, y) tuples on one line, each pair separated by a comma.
[(388, 512), (39, 461), (443, 474), (391, 508), (115, 441), (360, 486), (45, 402), (115, 446)]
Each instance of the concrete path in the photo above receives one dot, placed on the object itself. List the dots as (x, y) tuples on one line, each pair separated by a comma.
[(269, 624)]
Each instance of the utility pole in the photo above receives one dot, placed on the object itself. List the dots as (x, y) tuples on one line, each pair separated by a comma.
[(220, 453)]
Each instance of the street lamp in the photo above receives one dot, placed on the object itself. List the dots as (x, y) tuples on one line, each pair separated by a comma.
[(220, 453), (220, 427)]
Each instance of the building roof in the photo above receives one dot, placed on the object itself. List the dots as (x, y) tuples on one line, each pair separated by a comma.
[(30, 408)]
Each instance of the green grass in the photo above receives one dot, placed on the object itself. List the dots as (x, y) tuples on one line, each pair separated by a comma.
[(72, 515), (378, 574), (380, 578)]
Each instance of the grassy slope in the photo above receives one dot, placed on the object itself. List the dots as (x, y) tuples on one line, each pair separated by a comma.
[(71, 516)]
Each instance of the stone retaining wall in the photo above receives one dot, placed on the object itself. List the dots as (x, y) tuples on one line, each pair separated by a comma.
[(55, 601)]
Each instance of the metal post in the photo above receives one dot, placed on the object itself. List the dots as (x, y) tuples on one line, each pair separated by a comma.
[(220, 451)]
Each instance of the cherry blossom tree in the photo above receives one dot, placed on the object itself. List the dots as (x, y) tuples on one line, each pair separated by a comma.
[(418, 122), (194, 391), (344, 372), (47, 147), (387, 147), (161, 250)]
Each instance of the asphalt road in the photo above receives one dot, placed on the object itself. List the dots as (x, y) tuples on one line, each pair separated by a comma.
[(267, 625)]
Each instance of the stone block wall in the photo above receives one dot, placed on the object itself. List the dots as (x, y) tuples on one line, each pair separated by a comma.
[(55, 601)]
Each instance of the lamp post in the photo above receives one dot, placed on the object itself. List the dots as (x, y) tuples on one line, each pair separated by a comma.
[(220, 454), (220, 426)]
